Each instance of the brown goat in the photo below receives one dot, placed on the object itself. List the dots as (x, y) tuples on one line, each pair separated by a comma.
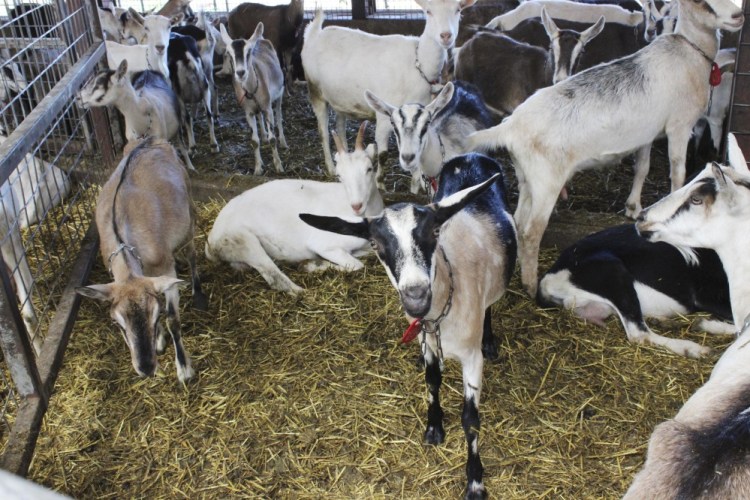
[(144, 215), (281, 23)]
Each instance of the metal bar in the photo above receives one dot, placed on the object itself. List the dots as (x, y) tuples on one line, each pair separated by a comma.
[(22, 440), (14, 340), (359, 10), (13, 150)]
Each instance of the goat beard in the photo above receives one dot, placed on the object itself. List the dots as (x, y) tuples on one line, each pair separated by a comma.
[(238, 90)]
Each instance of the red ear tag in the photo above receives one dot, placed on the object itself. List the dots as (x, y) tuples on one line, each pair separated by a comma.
[(715, 78), (412, 331)]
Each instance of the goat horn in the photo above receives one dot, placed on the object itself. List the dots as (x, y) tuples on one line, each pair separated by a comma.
[(359, 145), (339, 145)]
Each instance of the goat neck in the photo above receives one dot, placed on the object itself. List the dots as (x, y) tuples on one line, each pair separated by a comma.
[(431, 57)]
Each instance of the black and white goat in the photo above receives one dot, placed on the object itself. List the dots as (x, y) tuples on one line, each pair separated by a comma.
[(259, 86), (526, 68), (703, 451), (597, 116), (615, 271), (397, 68), (191, 85), (147, 102), (262, 224), (144, 215), (429, 136), (450, 261)]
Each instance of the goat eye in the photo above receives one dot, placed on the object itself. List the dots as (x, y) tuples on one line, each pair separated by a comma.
[(696, 200), (429, 12), (369, 170), (375, 245), (436, 231)]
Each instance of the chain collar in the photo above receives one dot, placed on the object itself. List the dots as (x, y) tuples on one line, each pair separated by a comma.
[(432, 326), (250, 95), (435, 86), (700, 50), (121, 248)]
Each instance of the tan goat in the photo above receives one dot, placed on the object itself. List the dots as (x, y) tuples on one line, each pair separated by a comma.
[(144, 214)]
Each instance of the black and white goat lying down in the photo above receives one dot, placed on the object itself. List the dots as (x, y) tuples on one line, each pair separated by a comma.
[(450, 261), (617, 271), (703, 451)]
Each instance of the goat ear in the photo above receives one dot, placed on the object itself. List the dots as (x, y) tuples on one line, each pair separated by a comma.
[(162, 284), (549, 25), (371, 152), (224, 35), (721, 179), (135, 15), (466, 3), (177, 19), (98, 292), (442, 99), (734, 155), (422, 4), (358, 226), (450, 206), (122, 69), (377, 104), (593, 31), (258, 33)]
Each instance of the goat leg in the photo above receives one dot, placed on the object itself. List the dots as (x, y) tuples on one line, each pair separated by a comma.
[(434, 378)]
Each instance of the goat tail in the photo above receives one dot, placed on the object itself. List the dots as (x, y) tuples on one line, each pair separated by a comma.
[(489, 139), (316, 25)]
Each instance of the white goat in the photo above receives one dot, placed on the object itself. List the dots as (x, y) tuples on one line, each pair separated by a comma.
[(397, 68), (259, 86), (262, 223), (144, 215), (721, 96), (148, 103), (109, 18), (449, 266), (152, 51), (606, 112), (568, 10), (33, 188), (428, 136), (702, 451)]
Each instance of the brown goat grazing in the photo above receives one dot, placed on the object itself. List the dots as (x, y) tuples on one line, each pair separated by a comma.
[(144, 215), (281, 23)]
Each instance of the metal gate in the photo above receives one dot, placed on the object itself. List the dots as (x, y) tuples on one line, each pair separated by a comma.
[(52, 156)]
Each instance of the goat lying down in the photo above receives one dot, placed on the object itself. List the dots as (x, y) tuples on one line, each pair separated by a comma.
[(617, 271), (261, 224), (703, 451), (449, 261), (144, 215), (598, 116)]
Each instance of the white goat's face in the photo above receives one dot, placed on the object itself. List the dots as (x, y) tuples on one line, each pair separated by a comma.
[(152, 30), (713, 14), (355, 171), (442, 17), (698, 214), (135, 309), (411, 123)]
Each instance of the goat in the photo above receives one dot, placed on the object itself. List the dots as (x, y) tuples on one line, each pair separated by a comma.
[(151, 32), (702, 451), (721, 96), (525, 68), (148, 103), (31, 190), (109, 18), (428, 136), (178, 10), (191, 85), (259, 86), (208, 49), (450, 261), (564, 9), (396, 68), (261, 224), (281, 23), (599, 115), (144, 214), (616, 271)]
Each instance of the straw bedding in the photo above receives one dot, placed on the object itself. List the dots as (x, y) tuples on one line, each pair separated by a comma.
[(311, 396)]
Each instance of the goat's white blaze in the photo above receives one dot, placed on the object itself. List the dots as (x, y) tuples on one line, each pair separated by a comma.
[(410, 268), (410, 121)]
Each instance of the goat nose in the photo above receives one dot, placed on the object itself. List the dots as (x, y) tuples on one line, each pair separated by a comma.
[(446, 36), (160, 49), (356, 207), (407, 157), (738, 15), (240, 73), (641, 217), (415, 292)]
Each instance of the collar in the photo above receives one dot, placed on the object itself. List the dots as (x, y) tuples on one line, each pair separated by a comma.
[(700, 50), (121, 248)]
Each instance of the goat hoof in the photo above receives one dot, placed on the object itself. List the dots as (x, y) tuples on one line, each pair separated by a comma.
[(215, 148), (200, 301), (476, 493), (489, 351), (434, 435), (185, 373)]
